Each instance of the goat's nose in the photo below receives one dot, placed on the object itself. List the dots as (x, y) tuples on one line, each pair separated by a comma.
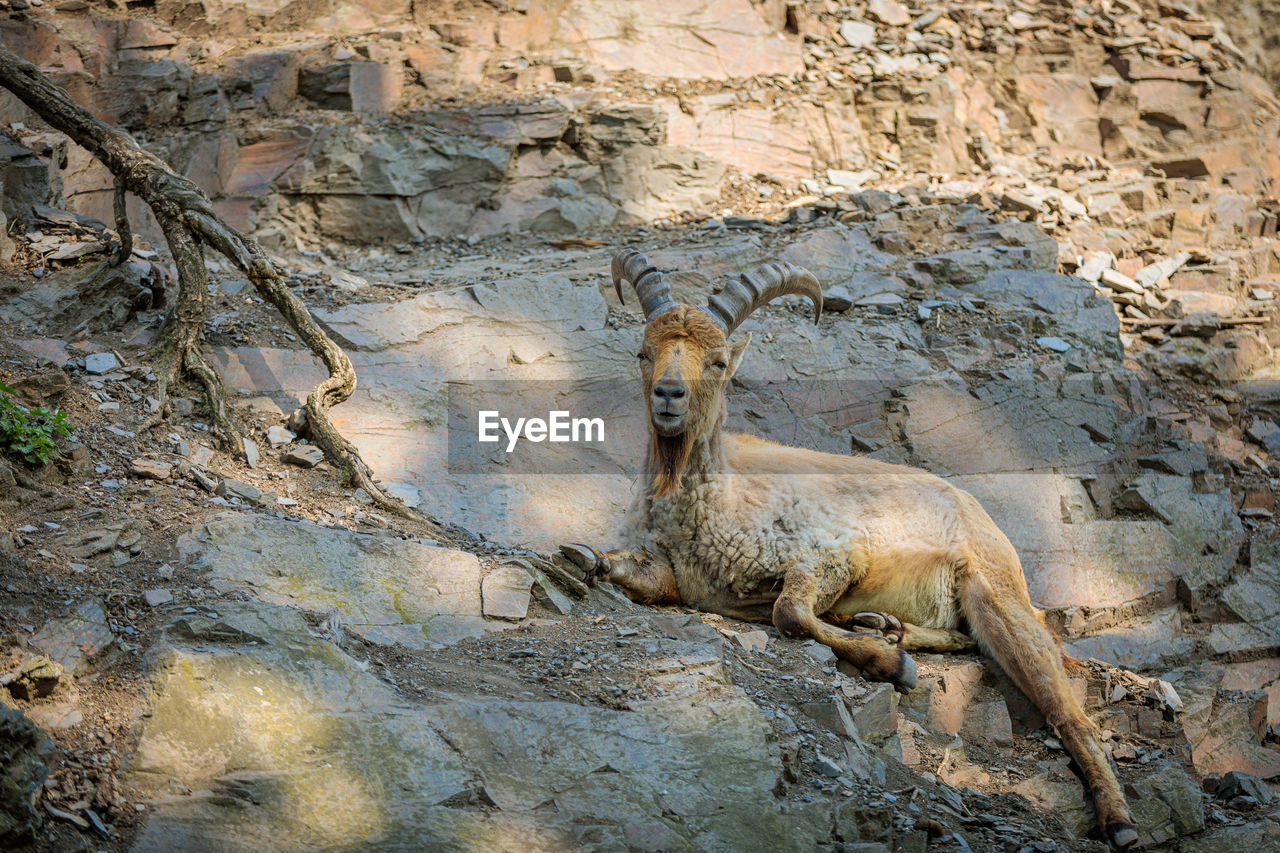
[(668, 390)]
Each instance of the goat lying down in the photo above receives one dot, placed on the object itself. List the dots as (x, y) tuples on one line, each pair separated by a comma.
[(746, 528)]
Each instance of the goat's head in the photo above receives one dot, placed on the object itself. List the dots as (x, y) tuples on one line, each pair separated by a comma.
[(686, 358)]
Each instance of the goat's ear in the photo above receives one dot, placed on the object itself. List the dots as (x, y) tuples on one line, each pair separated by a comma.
[(736, 349)]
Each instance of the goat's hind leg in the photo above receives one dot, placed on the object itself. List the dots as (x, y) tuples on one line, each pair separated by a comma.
[(1008, 629), (644, 578), (808, 590)]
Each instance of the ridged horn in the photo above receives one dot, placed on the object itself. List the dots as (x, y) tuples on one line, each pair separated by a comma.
[(649, 283), (746, 292)]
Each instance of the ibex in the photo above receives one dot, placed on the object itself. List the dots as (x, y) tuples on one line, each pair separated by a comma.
[(736, 525)]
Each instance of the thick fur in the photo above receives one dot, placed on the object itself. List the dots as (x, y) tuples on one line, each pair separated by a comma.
[(741, 526)]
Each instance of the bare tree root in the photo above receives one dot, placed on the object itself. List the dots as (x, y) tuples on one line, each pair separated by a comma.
[(178, 343), (21, 478), (188, 220), (123, 231)]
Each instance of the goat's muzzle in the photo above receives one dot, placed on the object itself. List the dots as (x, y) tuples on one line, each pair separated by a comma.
[(669, 402)]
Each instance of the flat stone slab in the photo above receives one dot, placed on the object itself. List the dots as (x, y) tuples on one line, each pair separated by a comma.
[(78, 640), (1101, 562), (506, 592), (714, 39), (284, 736), (257, 731), (1023, 446), (689, 771), (1154, 642), (386, 590)]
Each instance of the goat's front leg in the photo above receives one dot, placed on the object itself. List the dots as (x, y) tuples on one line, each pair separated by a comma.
[(914, 637), (644, 578), (809, 588)]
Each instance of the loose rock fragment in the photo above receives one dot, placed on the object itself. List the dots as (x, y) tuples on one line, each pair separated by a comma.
[(889, 12), (1199, 324), (100, 362), (251, 453), (826, 766), (752, 641), (505, 593), (278, 436), (203, 480), (229, 488), (304, 456), (1054, 344), (1095, 263), (857, 33), (837, 298), (1118, 281), (1237, 784), (157, 597), (36, 678), (150, 469)]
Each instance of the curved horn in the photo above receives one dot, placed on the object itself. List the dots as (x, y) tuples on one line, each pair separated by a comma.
[(649, 284), (760, 286)]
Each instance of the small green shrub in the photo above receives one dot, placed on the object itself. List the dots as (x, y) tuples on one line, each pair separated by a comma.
[(30, 434)]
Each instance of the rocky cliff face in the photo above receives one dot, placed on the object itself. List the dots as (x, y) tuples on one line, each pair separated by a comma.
[(568, 126), (1047, 234), (1252, 28)]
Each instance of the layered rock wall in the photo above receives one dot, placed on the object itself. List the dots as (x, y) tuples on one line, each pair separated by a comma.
[(562, 116)]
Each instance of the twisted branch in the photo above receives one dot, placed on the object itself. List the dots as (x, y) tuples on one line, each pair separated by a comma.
[(188, 220)]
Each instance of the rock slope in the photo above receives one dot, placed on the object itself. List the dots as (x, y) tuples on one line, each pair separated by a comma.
[(1047, 238)]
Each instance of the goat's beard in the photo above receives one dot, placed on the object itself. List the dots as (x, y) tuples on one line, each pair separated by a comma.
[(668, 456)]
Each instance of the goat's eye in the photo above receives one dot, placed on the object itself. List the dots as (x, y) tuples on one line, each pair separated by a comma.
[(719, 365), (643, 356)]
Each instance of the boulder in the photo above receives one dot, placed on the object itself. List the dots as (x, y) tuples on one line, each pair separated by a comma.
[(1224, 728), (386, 590), (295, 739), (24, 180), (77, 641), (1154, 642), (369, 89), (1166, 804), (25, 755), (99, 298)]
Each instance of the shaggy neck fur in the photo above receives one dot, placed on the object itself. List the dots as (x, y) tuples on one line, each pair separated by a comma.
[(683, 461)]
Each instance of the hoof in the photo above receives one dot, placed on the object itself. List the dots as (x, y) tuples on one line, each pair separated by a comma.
[(583, 556), (900, 671), (886, 624), (1121, 835), (906, 680)]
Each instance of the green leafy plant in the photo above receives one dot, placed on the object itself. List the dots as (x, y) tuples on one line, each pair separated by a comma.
[(30, 434)]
